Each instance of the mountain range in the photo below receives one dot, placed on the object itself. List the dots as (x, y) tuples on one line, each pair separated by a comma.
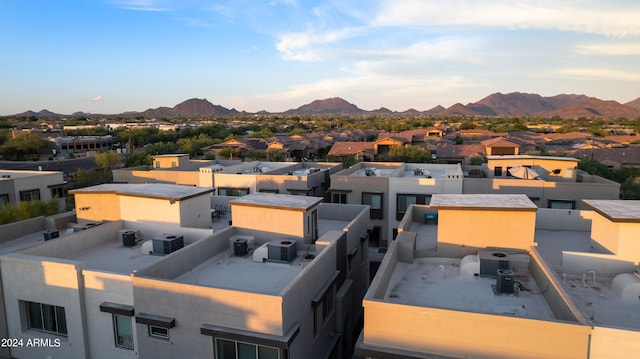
[(497, 104)]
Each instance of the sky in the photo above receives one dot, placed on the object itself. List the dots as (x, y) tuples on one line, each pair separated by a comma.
[(113, 56)]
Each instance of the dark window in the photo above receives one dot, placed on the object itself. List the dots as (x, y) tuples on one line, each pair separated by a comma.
[(123, 331), (561, 204), (497, 171), (323, 304), (4, 199), (232, 349), (30, 195), (158, 332), (57, 191), (235, 192), (46, 318), (405, 200), (338, 197), (374, 200)]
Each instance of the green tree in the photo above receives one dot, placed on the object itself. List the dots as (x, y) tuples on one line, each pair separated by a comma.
[(24, 210), (227, 152), (107, 160), (138, 159), (21, 147), (594, 167), (409, 153)]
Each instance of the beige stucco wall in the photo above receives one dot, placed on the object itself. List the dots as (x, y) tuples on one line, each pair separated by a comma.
[(614, 343), (139, 209), (471, 335), (283, 221), (54, 283), (487, 228), (188, 178), (170, 161), (621, 238), (97, 207)]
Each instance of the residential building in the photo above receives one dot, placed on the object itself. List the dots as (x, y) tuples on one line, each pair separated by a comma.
[(145, 286), (389, 188), (23, 186), (170, 169), (553, 182), (235, 178), (496, 277)]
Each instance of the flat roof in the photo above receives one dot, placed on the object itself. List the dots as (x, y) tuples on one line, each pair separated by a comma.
[(147, 190), (513, 202), (591, 291), (373, 172), (439, 283), (616, 210), (24, 174), (280, 201), (529, 157), (112, 256)]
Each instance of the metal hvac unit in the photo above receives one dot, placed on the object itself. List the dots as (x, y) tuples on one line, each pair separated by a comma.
[(50, 234), (282, 250), (505, 282), (242, 245), (167, 244), (491, 262), (129, 238)]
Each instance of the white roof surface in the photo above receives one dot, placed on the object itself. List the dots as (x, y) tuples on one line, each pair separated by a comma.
[(497, 201)]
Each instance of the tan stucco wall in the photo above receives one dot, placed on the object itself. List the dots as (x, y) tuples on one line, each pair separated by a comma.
[(287, 222), (138, 209), (97, 207), (486, 228), (471, 335), (189, 178), (614, 343), (621, 238)]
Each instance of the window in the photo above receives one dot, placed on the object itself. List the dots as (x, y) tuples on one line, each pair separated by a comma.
[(4, 199), (405, 200), (235, 192), (561, 204), (57, 191), (323, 303), (46, 318), (338, 197), (30, 195), (232, 349), (158, 332), (123, 331), (374, 200), (497, 171)]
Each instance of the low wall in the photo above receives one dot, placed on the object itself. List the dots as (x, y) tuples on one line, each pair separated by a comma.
[(560, 303), (11, 231), (564, 220)]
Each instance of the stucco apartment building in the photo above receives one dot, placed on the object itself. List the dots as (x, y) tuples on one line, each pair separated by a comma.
[(389, 188), (498, 277), (235, 178), (552, 182), (20, 186), (150, 280)]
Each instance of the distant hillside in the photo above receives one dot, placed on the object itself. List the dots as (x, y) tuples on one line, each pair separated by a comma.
[(191, 108), (497, 104), (334, 105), (634, 104), (523, 104), (41, 113)]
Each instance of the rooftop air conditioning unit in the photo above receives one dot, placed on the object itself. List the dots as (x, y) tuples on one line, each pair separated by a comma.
[(282, 250), (50, 234), (491, 262), (167, 244), (129, 238), (505, 282), (242, 245)]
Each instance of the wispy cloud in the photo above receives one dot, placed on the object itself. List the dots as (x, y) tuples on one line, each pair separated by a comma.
[(142, 5), (599, 73), (616, 17), (610, 49), (97, 98), (307, 46)]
